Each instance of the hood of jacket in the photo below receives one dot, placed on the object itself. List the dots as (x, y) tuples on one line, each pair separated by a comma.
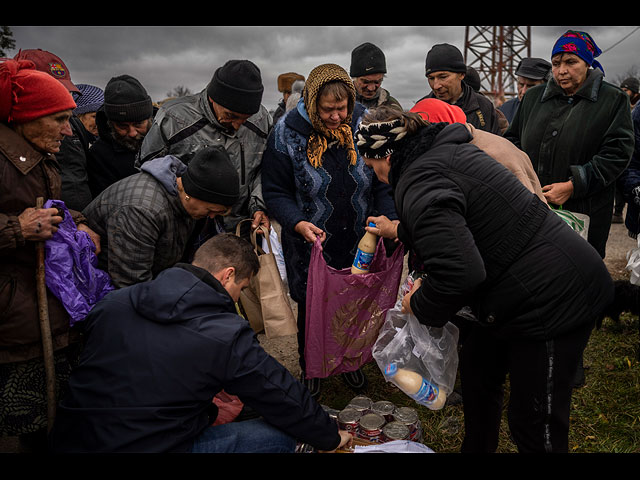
[(165, 170), (180, 294)]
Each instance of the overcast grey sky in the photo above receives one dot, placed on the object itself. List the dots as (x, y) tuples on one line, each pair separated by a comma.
[(165, 57)]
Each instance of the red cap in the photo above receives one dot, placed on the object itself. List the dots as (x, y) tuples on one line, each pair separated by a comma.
[(49, 63), (27, 94), (436, 111)]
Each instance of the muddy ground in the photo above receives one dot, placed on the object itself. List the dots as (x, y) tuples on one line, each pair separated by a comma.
[(285, 349)]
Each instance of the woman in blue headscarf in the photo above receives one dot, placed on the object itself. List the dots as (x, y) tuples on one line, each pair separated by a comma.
[(577, 131)]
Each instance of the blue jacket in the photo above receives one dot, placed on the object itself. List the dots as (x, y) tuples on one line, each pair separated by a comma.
[(157, 353), (336, 197)]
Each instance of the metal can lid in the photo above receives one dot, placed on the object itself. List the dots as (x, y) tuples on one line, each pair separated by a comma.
[(406, 415), (349, 415), (383, 407), (360, 403), (372, 421), (396, 431)]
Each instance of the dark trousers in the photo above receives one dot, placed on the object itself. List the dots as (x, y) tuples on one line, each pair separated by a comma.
[(541, 376)]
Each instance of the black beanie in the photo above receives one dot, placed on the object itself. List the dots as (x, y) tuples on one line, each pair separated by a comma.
[(126, 100), (444, 58), (367, 59), (211, 177), (237, 85)]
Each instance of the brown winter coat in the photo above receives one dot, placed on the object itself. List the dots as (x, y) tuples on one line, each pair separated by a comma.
[(25, 174), (511, 157)]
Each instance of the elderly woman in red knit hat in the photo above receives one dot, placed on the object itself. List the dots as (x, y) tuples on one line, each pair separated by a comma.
[(34, 118)]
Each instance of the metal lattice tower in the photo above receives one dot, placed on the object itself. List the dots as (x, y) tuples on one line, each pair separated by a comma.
[(494, 52)]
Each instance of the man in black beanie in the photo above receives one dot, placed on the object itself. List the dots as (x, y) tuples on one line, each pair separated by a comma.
[(145, 220), (123, 121), (368, 67), (445, 71), (227, 112), (529, 72)]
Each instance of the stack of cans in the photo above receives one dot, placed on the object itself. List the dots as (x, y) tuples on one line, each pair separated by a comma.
[(379, 422)]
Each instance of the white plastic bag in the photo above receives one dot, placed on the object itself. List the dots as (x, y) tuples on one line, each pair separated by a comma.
[(633, 264), (277, 252), (431, 352)]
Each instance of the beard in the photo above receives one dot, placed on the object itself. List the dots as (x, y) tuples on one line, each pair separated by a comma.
[(132, 144)]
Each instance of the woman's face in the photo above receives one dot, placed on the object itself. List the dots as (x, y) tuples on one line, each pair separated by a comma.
[(569, 71), (381, 167), (89, 121), (46, 133), (332, 112)]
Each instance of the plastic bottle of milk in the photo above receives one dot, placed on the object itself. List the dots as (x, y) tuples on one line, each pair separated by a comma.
[(418, 388), (364, 255)]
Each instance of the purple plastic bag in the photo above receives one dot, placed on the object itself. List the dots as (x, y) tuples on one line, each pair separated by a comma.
[(345, 311), (71, 271)]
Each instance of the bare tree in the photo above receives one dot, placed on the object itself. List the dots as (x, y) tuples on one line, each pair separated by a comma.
[(179, 91), (6, 40)]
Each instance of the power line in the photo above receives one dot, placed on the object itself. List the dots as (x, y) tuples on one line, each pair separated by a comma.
[(621, 40)]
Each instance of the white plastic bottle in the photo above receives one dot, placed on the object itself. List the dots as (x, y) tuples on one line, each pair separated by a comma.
[(417, 387), (364, 255)]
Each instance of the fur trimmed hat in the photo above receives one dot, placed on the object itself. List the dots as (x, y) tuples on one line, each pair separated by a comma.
[(286, 81)]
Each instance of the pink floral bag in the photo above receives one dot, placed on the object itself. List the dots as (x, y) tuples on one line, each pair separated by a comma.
[(346, 311)]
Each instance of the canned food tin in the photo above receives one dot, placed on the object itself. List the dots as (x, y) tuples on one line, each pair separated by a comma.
[(348, 420), (409, 417), (360, 403), (395, 431), (384, 408), (370, 427)]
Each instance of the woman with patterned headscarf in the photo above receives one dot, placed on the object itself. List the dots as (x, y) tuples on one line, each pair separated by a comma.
[(577, 131), (316, 185)]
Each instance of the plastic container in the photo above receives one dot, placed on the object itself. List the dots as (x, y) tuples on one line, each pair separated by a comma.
[(364, 255), (417, 387)]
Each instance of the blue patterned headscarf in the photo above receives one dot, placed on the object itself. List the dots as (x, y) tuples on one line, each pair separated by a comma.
[(580, 44)]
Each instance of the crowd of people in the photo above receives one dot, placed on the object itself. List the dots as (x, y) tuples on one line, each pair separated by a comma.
[(469, 188)]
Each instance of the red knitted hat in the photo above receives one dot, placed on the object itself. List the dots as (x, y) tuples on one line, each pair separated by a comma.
[(436, 111), (27, 94)]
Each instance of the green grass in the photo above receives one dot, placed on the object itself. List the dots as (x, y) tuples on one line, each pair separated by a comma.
[(605, 413)]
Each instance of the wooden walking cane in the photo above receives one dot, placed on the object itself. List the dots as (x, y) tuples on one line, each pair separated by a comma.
[(45, 331)]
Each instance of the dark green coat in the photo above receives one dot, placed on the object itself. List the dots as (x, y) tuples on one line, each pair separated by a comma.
[(587, 137)]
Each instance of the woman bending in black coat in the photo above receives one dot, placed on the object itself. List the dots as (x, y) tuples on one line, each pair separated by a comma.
[(534, 285)]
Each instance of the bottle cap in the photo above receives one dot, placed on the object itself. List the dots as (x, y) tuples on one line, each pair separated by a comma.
[(391, 370), (372, 224)]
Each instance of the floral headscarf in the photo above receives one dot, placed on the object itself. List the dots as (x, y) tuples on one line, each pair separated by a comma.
[(318, 140), (580, 44)]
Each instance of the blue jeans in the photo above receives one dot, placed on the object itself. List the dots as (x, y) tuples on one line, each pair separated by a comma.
[(250, 436)]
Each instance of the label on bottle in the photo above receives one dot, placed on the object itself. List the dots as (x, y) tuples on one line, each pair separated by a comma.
[(362, 260), (427, 393)]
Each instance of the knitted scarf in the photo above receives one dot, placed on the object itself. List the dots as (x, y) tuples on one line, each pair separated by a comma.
[(321, 136), (382, 139)]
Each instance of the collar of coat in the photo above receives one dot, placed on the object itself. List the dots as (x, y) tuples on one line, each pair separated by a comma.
[(588, 90), (18, 151)]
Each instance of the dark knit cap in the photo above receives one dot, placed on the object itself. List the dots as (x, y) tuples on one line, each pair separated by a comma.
[(472, 78), (211, 177), (444, 58), (632, 84), (367, 59), (126, 100), (533, 68), (237, 85)]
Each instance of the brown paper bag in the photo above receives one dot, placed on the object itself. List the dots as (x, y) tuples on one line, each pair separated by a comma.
[(264, 301)]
